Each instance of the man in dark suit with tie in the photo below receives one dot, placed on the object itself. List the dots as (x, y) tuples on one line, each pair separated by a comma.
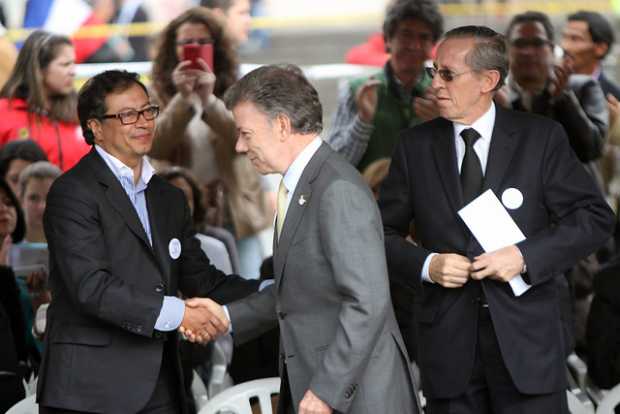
[(121, 247), (484, 347)]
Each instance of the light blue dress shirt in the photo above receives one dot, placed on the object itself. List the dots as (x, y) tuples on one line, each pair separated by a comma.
[(173, 308)]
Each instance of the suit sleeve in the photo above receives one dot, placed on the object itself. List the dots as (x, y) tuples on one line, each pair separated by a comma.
[(79, 253), (352, 239), (581, 219), (254, 315), (405, 260)]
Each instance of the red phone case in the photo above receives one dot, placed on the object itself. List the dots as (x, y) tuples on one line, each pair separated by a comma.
[(193, 51)]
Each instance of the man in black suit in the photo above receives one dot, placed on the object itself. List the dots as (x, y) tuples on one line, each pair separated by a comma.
[(482, 348), (121, 247)]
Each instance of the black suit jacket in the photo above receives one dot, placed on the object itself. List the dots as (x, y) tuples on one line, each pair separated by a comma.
[(101, 351), (562, 215), (608, 86)]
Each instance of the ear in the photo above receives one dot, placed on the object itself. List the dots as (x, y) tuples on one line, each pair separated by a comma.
[(600, 49), (490, 80), (95, 126), (283, 126)]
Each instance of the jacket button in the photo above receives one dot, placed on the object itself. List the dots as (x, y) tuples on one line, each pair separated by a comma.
[(159, 288), (281, 315)]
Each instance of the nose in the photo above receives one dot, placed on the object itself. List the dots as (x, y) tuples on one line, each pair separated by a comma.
[(437, 82), (240, 146)]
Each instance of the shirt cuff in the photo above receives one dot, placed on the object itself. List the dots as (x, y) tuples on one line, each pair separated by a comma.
[(171, 314), (427, 263), (362, 128), (230, 330), (265, 284)]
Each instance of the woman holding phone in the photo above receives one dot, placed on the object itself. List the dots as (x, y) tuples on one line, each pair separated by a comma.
[(195, 130)]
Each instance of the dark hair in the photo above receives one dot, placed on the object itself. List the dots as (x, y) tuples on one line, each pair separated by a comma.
[(489, 51), (27, 80), (217, 4), (280, 89), (224, 55), (532, 17), (425, 11), (598, 26), (26, 150), (20, 226), (172, 173), (91, 98)]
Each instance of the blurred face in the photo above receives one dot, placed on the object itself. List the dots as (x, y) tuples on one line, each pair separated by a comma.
[(239, 21), (33, 200), (410, 46), (578, 43), (191, 33), (128, 143), (58, 76), (181, 183), (530, 53), (12, 175), (257, 138), (8, 215), (465, 97)]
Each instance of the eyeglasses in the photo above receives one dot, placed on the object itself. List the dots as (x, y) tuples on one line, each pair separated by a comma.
[(200, 41), (535, 42), (131, 115), (445, 74)]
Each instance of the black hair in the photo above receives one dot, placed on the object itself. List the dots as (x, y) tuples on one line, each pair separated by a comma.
[(26, 150), (599, 27)]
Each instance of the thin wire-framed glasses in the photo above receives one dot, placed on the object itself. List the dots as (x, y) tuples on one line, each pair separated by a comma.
[(445, 74)]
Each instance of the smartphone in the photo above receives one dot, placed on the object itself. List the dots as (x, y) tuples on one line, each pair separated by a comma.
[(193, 51)]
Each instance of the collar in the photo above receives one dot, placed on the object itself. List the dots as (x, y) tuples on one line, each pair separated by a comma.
[(483, 125), (297, 167), (597, 73), (119, 169), (397, 88)]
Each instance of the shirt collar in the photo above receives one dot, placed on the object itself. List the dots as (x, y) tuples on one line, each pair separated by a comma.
[(119, 169), (597, 73), (483, 125), (294, 171)]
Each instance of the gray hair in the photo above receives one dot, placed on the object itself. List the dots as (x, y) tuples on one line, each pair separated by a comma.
[(40, 170), (280, 90), (489, 51)]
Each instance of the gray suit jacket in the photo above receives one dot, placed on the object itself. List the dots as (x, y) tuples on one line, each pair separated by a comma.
[(338, 334)]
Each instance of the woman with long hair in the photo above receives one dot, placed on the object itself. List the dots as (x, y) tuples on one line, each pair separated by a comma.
[(39, 101), (195, 130)]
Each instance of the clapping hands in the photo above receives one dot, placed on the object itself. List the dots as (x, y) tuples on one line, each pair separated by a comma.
[(204, 320)]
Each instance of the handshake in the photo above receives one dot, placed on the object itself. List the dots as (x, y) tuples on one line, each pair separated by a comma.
[(203, 321)]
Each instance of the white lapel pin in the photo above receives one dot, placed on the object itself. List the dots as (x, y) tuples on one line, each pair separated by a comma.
[(302, 200)]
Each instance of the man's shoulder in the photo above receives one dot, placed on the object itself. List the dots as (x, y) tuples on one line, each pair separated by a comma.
[(609, 86)]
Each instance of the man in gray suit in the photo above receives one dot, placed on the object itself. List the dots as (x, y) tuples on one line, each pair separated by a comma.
[(340, 347)]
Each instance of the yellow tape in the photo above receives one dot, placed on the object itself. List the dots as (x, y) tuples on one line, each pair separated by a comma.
[(489, 8)]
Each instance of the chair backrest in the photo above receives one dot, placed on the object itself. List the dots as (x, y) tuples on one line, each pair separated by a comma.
[(199, 391), (575, 406), (610, 401), (237, 398), (26, 406)]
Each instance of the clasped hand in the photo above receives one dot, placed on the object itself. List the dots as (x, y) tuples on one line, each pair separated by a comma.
[(453, 270), (203, 321)]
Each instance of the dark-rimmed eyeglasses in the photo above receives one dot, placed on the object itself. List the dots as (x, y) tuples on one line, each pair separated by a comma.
[(445, 74), (131, 116), (199, 41)]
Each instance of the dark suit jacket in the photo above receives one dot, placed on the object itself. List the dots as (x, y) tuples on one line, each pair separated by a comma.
[(608, 86), (563, 217), (101, 351)]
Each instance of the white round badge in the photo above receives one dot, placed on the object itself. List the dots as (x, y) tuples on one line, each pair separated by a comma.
[(174, 248), (512, 198)]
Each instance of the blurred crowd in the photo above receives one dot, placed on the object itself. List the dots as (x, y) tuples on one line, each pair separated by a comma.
[(554, 73)]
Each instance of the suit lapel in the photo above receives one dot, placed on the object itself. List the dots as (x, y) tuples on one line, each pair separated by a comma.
[(157, 217), (296, 209), (444, 153), (501, 152), (117, 197)]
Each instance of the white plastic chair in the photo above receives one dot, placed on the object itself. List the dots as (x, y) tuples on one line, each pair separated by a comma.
[(26, 406), (610, 401), (576, 406), (199, 391), (237, 399)]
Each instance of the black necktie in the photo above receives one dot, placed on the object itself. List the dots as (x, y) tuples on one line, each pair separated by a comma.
[(471, 170)]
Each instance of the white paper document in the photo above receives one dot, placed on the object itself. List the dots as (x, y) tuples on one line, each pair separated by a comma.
[(493, 227)]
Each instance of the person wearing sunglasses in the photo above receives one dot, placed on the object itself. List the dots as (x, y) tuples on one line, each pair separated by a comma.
[(489, 329), (373, 110), (121, 247)]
